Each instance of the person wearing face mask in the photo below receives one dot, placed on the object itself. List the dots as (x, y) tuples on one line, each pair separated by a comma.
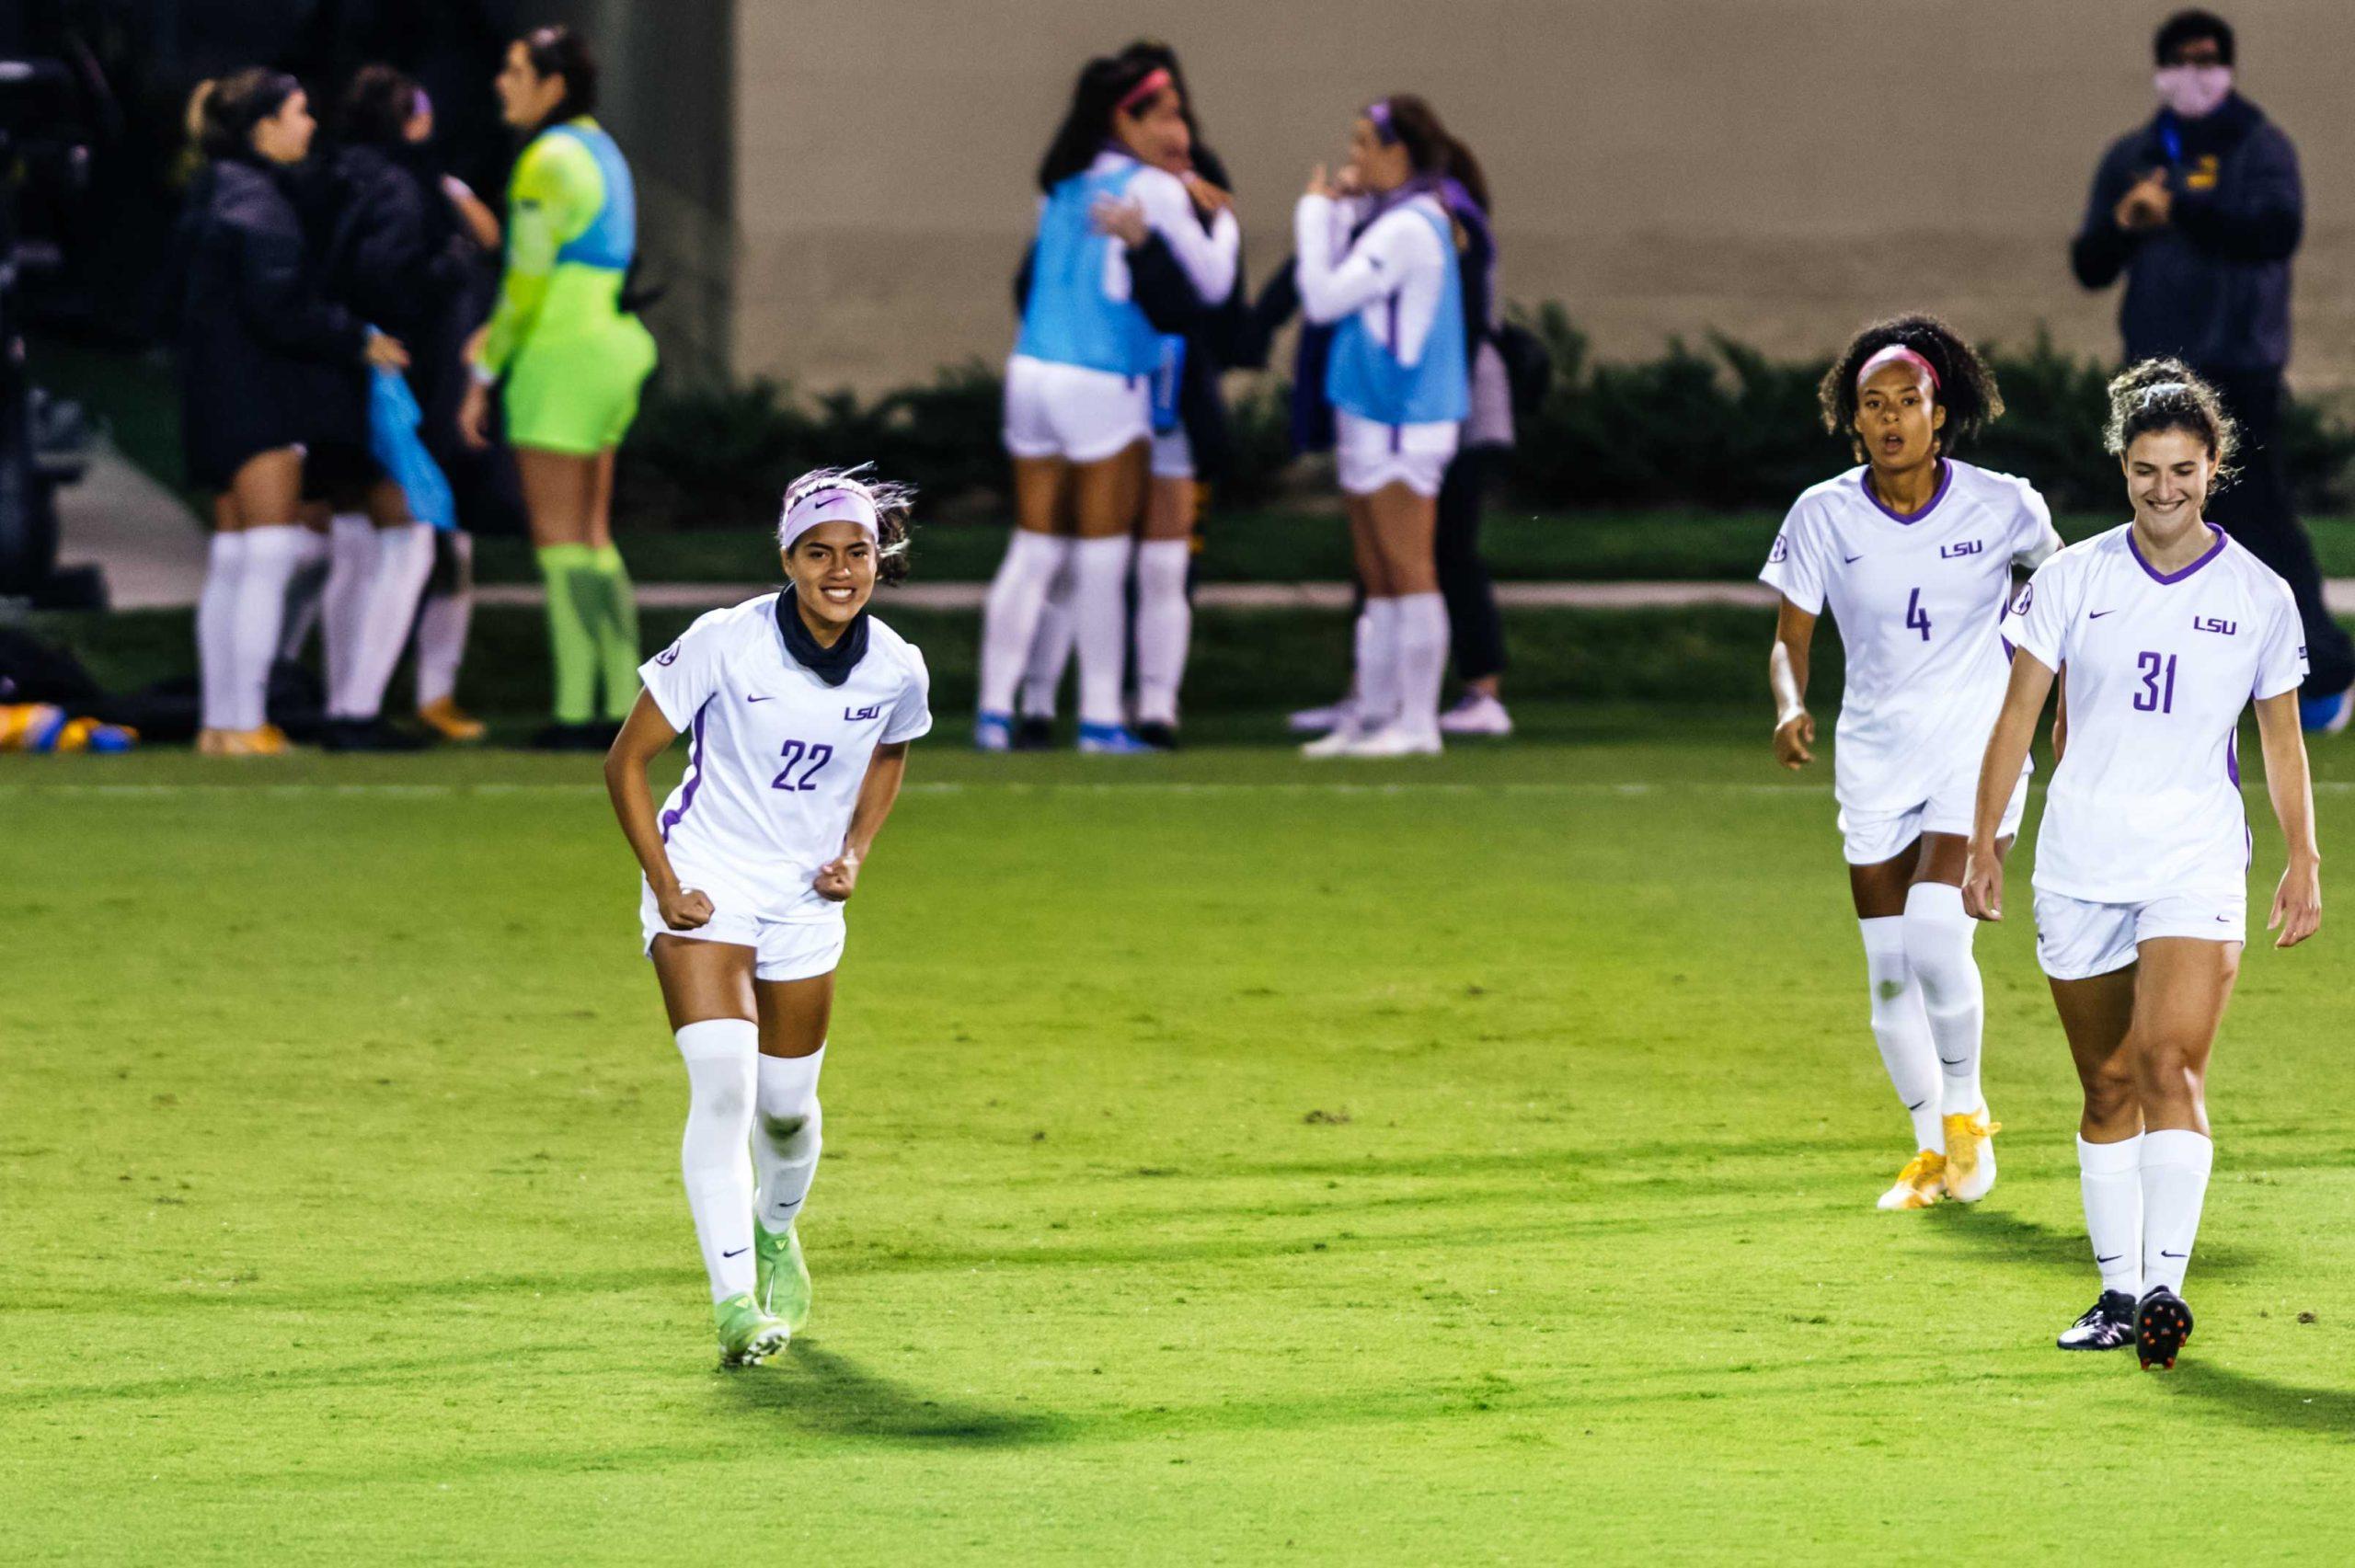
[(2200, 211)]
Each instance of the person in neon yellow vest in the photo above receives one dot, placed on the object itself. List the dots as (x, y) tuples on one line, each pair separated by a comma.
[(571, 358)]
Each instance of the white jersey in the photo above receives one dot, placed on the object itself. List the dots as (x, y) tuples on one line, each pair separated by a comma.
[(1919, 602), (1397, 264), (775, 756), (2146, 801)]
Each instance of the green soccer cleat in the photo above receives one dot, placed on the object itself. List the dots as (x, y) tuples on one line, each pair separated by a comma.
[(748, 1335), (782, 1279)]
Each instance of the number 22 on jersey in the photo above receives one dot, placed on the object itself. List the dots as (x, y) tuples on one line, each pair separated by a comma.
[(796, 753)]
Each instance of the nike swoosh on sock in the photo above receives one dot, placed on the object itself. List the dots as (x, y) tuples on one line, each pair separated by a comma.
[(737, 1253)]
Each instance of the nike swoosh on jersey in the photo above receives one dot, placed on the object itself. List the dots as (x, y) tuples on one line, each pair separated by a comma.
[(760, 699), (1851, 560), (2097, 614)]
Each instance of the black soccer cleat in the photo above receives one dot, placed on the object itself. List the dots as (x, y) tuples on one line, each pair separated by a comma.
[(1033, 732), (1160, 736), (2162, 1323), (2108, 1324)]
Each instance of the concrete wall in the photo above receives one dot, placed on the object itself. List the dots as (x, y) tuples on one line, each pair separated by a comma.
[(1777, 170)]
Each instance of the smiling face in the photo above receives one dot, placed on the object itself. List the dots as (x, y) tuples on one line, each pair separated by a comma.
[(831, 568), (2168, 474), (1898, 417), (525, 97)]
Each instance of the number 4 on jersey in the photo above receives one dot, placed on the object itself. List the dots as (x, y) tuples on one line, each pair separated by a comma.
[(1917, 618)]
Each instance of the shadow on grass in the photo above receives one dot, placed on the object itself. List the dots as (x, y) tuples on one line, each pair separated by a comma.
[(828, 1395), (2261, 1402), (2018, 1240)]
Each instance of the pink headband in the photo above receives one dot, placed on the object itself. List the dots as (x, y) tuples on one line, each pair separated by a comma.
[(1155, 81), (1897, 354)]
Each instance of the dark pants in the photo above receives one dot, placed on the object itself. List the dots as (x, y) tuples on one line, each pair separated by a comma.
[(1472, 627), (2255, 509)]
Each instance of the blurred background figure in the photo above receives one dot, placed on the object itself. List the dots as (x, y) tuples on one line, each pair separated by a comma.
[(2201, 208), (272, 391), (406, 246), (571, 355)]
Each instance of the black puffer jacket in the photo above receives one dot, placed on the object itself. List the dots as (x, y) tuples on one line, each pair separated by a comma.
[(267, 359), (395, 256)]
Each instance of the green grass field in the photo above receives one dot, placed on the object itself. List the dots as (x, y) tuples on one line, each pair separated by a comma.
[(1228, 1161)]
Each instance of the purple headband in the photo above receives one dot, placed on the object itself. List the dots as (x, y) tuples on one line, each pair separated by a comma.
[(1378, 111)]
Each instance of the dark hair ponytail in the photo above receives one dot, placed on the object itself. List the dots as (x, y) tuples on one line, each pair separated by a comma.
[(376, 108), (1103, 83), (1966, 388), (238, 103), (2167, 394), (1432, 148), (559, 52)]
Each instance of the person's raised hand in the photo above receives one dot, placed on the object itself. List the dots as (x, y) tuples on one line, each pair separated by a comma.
[(1321, 184), (385, 352), (1123, 220)]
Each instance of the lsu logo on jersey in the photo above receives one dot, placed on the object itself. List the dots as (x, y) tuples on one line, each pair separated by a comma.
[(668, 657), (1782, 550), (1957, 552), (2214, 623), (860, 716), (2027, 598)]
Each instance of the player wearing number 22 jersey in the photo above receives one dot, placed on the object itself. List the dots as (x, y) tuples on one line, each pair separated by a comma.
[(774, 760)]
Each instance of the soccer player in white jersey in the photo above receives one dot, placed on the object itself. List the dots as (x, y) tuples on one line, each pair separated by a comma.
[(2161, 632), (800, 706), (1912, 552)]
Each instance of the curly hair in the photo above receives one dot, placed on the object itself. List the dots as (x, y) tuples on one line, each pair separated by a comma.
[(1966, 388), (2167, 394), (894, 503)]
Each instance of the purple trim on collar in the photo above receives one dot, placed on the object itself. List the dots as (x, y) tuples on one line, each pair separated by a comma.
[(1945, 480), (2163, 578)]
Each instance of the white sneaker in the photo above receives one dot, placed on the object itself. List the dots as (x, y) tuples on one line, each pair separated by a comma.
[(1337, 744), (1395, 739), (1322, 721), (1476, 713)]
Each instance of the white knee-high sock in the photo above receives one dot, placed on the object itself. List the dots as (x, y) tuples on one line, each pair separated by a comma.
[(1422, 660), (1165, 626), (1377, 663), (352, 561), (1051, 649), (441, 627), (1010, 614), (303, 594), (2175, 1162), (1902, 1029), (272, 556), (788, 1135), (404, 559), (216, 647), (1938, 938), (720, 1057), (1100, 607), (2110, 1175)]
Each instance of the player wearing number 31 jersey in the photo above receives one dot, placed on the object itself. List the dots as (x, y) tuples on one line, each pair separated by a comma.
[(799, 707), (1913, 553)]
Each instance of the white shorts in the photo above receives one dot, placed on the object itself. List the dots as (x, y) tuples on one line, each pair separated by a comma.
[(1367, 454), (1172, 454), (1873, 837), (783, 950), (1074, 413), (2076, 939)]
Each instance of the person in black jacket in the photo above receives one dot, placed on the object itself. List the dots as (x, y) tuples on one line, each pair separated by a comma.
[(2201, 209), (271, 372), (397, 255)]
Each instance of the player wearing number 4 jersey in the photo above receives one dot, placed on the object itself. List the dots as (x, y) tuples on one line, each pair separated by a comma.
[(2161, 633), (1913, 553), (800, 707)]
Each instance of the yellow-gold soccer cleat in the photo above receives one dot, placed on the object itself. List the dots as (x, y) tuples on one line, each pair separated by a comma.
[(449, 722), (1970, 1155), (1920, 1185)]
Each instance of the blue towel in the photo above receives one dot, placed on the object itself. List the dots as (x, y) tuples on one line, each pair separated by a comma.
[(393, 419)]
